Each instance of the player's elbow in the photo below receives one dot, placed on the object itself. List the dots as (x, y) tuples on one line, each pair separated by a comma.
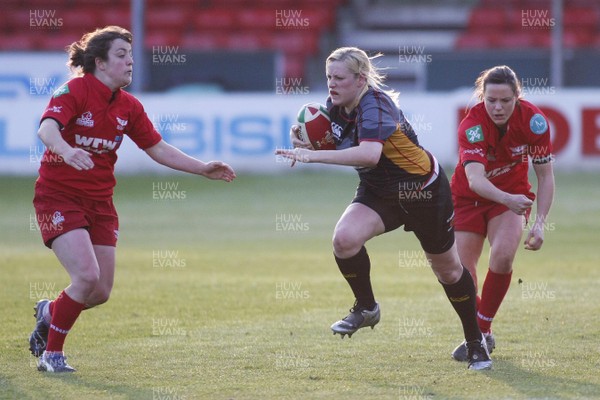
[(43, 135), (369, 159), (47, 127), (371, 163), (472, 185), (474, 182), (368, 154)]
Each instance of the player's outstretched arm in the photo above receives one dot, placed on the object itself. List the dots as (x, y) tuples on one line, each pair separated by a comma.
[(165, 154), (545, 195), (366, 154)]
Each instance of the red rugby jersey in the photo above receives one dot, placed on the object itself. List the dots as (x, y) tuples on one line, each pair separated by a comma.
[(95, 119), (506, 157)]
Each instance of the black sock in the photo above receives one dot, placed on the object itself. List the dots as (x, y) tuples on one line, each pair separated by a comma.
[(462, 296), (356, 270)]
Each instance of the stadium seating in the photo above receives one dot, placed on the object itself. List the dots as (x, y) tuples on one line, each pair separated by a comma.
[(513, 24), (235, 25)]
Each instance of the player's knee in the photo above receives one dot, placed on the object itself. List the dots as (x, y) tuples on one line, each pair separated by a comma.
[(502, 264), (86, 280), (449, 275), (99, 297), (345, 244)]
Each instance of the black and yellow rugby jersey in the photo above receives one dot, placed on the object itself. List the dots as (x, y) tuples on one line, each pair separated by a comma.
[(377, 118)]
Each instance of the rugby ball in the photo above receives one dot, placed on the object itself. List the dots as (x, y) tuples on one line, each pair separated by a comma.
[(315, 126)]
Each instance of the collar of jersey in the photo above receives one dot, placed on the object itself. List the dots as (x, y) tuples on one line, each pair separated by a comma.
[(103, 91)]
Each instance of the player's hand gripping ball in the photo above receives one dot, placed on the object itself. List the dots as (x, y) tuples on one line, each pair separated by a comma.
[(315, 126)]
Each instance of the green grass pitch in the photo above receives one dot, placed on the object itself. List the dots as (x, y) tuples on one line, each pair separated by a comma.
[(227, 291)]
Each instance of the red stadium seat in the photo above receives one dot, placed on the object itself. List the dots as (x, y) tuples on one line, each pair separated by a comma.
[(487, 18), (203, 41), (586, 18), (172, 18), (120, 16), (595, 41), (319, 18), (16, 20), (79, 20), (161, 38), (246, 41), (257, 18), (574, 39), (18, 42), (296, 42), (59, 40), (213, 19)]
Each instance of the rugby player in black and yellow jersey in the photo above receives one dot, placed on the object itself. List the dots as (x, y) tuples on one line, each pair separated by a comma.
[(401, 184)]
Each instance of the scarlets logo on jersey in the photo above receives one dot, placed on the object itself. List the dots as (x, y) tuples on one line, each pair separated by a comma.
[(97, 145), (518, 150), (85, 120), (121, 123)]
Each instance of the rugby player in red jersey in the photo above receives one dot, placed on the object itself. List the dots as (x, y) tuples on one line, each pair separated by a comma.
[(401, 184), (82, 128), (490, 187)]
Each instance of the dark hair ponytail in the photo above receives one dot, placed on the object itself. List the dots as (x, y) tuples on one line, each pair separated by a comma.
[(83, 53)]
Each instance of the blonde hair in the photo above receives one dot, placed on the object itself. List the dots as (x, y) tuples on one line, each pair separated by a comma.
[(358, 62)]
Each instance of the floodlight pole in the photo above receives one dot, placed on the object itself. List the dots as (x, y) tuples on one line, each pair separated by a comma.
[(556, 51), (137, 29)]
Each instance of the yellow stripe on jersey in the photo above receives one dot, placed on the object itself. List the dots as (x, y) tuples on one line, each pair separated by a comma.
[(400, 150)]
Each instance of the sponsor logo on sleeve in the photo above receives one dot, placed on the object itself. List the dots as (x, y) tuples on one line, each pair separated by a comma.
[(478, 152), (474, 134), (64, 89), (54, 109), (538, 124)]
